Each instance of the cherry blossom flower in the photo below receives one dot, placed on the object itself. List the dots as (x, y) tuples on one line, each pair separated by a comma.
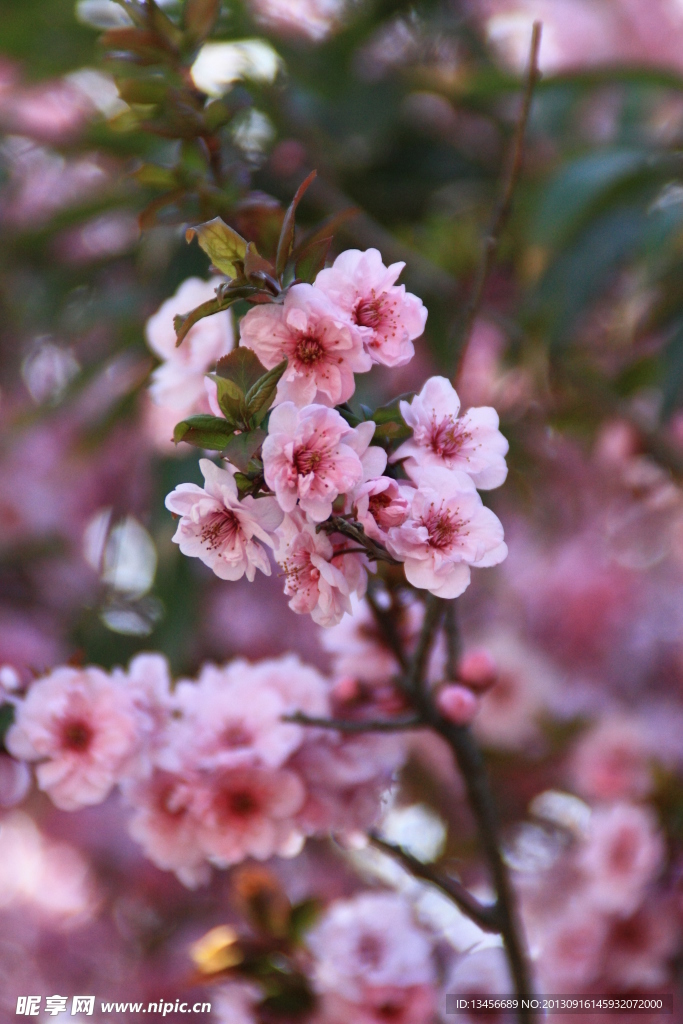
[(235, 1003), (248, 811), (371, 941), (623, 853), (612, 761), (233, 714), (401, 1004), (448, 531), (318, 581), (322, 350), (226, 533), (179, 382), (148, 683), (83, 729), (312, 455), (379, 504), (164, 825), (472, 442), (386, 317)]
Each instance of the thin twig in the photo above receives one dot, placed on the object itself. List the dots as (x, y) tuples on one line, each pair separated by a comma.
[(412, 682), (335, 524), (453, 642), (342, 725), (387, 626), (484, 916), (504, 206)]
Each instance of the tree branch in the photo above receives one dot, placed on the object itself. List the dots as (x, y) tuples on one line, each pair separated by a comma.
[(486, 917), (387, 627), (504, 206), (342, 725), (335, 524)]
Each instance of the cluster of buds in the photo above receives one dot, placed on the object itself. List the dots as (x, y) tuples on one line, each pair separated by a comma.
[(300, 473)]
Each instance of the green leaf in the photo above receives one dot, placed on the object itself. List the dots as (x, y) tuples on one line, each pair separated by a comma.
[(204, 431), (242, 447), (184, 322), (261, 394), (230, 398), (391, 412), (6, 719), (199, 17), (157, 177), (302, 918), (224, 246), (242, 367), (286, 243), (312, 260)]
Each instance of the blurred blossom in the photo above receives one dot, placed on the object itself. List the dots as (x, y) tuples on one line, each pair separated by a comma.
[(52, 112), (102, 14), (110, 234), (41, 182), (15, 781), (51, 878), (612, 761), (312, 19), (526, 688), (48, 370), (125, 555), (417, 828), (253, 132), (98, 87), (218, 65)]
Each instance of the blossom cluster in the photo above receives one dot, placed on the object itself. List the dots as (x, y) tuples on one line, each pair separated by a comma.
[(329, 503), (210, 768)]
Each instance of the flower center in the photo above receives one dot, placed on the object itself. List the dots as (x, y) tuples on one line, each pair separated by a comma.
[(77, 736), (236, 735), (370, 950), (242, 803), (309, 350), (447, 438), (369, 313), (442, 527), (219, 528), (300, 573), (307, 460)]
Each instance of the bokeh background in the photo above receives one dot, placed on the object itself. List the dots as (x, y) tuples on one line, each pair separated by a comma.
[(406, 110)]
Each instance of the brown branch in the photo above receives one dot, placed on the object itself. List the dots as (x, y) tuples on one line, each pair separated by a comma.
[(387, 627), (504, 206), (486, 917), (342, 725), (335, 524)]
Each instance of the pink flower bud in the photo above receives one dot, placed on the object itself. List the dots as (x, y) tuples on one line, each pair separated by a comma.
[(346, 690), (478, 669), (457, 704)]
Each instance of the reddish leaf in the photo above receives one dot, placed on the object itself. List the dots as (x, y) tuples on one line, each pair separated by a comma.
[(286, 243), (312, 259)]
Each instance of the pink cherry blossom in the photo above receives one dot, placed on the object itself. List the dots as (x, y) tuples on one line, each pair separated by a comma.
[(346, 778), (233, 714), (82, 728), (612, 761), (386, 317), (409, 1004), (448, 531), (472, 442), (318, 581), (370, 940), (322, 350), (624, 852), (164, 825), (235, 1003), (179, 382), (248, 811), (312, 455), (226, 533), (148, 683), (379, 505)]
